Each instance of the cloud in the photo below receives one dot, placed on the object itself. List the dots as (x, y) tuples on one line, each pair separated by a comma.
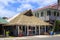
[(39, 2), (11, 7), (24, 7), (5, 2), (3, 9), (6, 13)]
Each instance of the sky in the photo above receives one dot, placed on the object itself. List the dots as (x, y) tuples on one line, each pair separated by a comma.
[(9, 8)]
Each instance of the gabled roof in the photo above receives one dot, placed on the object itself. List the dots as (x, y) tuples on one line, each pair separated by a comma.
[(26, 18), (16, 15)]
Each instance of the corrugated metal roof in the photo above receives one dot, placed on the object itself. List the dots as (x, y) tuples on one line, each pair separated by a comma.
[(3, 21), (53, 6)]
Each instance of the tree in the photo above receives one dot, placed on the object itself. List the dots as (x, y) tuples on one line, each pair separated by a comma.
[(57, 27), (5, 17)]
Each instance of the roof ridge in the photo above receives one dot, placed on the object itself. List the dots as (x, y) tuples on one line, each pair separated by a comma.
[(45, 7), (13, 17), (17, 15)]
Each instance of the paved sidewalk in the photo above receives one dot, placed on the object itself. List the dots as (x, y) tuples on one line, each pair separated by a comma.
[(29, 37)]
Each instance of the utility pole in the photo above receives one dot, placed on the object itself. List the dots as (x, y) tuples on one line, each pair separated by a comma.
[(58, 7)]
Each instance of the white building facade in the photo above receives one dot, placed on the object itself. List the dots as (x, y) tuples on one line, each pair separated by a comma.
[(47, 14)]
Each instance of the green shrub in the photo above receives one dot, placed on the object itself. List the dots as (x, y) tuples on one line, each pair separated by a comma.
[(57, 25)]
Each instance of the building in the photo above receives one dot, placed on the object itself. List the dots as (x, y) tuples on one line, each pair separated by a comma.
[(2, 28), (48, 13), (26, 24)]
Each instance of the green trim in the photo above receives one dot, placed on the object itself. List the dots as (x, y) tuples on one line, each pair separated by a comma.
[(3, 21)]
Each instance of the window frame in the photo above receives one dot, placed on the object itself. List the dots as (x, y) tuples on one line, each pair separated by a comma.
[(48, 13), (54, 13), (42, 14), (57, 14)]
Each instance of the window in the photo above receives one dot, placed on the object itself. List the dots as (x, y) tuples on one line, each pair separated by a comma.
[(37, 14), (57, 13), (54, 13), (41, 13), (48, 12)]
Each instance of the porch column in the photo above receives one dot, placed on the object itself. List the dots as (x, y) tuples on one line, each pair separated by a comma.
[(39, 15), (4, 32), (45, 29), (39, 30), (27, 30), (18, 30), (21, 27), (35, 30)]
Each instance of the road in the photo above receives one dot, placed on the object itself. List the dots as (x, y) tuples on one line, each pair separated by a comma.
[(48, 38)]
